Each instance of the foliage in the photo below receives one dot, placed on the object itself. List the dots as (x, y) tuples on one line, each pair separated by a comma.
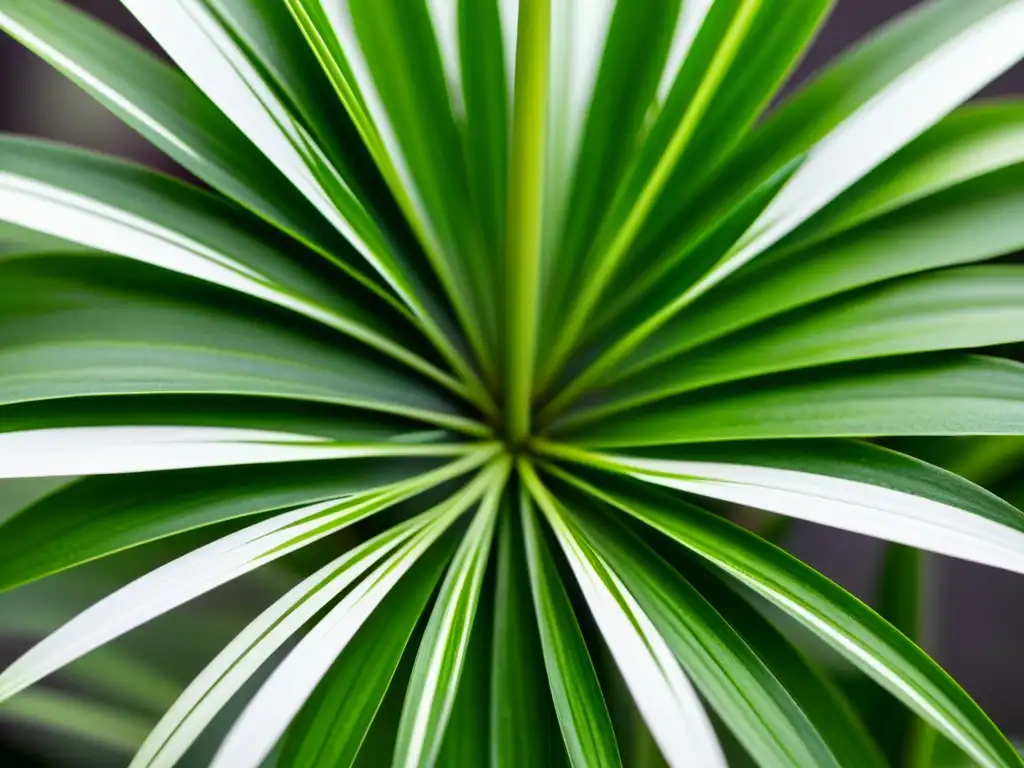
[(487, 305)]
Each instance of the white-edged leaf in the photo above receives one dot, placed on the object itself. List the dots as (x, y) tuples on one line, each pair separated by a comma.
[(160, 103), (932, 88), (836, 616), (430, 696), (103, 450), (281, 697), (191, 35), (208, 692), (204, 569), (665, 697), (953, 517), (129, 211)]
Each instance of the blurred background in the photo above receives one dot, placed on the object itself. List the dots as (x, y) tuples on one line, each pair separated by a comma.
[(974, 616)]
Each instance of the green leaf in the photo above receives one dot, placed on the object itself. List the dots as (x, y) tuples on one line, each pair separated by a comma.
[(442, 653), (81, 326), (935, 396), (206, 568), (899, 602), (332, 725), (467, 738), (132, 212), (109, 435), (976, 140), (486, 136), (742, 690), (579, 701), (852, 628), (166, 108), (526, 209), (284, 693), (872, 102), (842, 126), (100, 516), (521, 711), (240, 659), (961, 308), (852, 486), (780, 34), (610, 110), (663, 693), (968, 223), (821, 701), (399, 56)]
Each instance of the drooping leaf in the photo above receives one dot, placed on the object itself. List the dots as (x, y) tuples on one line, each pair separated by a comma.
[(853, 486), (841, 620), (204, 569), (743, 691), (959, 395), (579, 701), (333, 724), (664, 695), (281, 697), (102, 515)]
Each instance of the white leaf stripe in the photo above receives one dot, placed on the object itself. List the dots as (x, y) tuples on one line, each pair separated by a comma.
[(209, 691), (282, 696), (896, 115), (841, 503), (431, 694), (204, 569), (339, 15), (691, 19), (45, 208), (665, 697), (191, 36), (835, 615), (69, 451)]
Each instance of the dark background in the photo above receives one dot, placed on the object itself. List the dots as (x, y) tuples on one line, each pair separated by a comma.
[(974, 614)]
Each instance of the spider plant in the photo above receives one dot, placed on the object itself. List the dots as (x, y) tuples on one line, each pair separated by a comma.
[(504, 303)]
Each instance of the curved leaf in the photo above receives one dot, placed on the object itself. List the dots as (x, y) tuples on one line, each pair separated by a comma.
[(975, 140), (950, 309), (848, 121), (742, 690), (223, 677), (126, 210), (945, 396), (824, 704), (331, 728), (437, 671), (204, 569), (852, 486), (281, 697), (579, 701), (664, 695), (968, 223), (166, 108), (99, 516), (83, 326), (837, 617)]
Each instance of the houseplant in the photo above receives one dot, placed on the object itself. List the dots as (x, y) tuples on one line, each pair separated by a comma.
[(494, 295)]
